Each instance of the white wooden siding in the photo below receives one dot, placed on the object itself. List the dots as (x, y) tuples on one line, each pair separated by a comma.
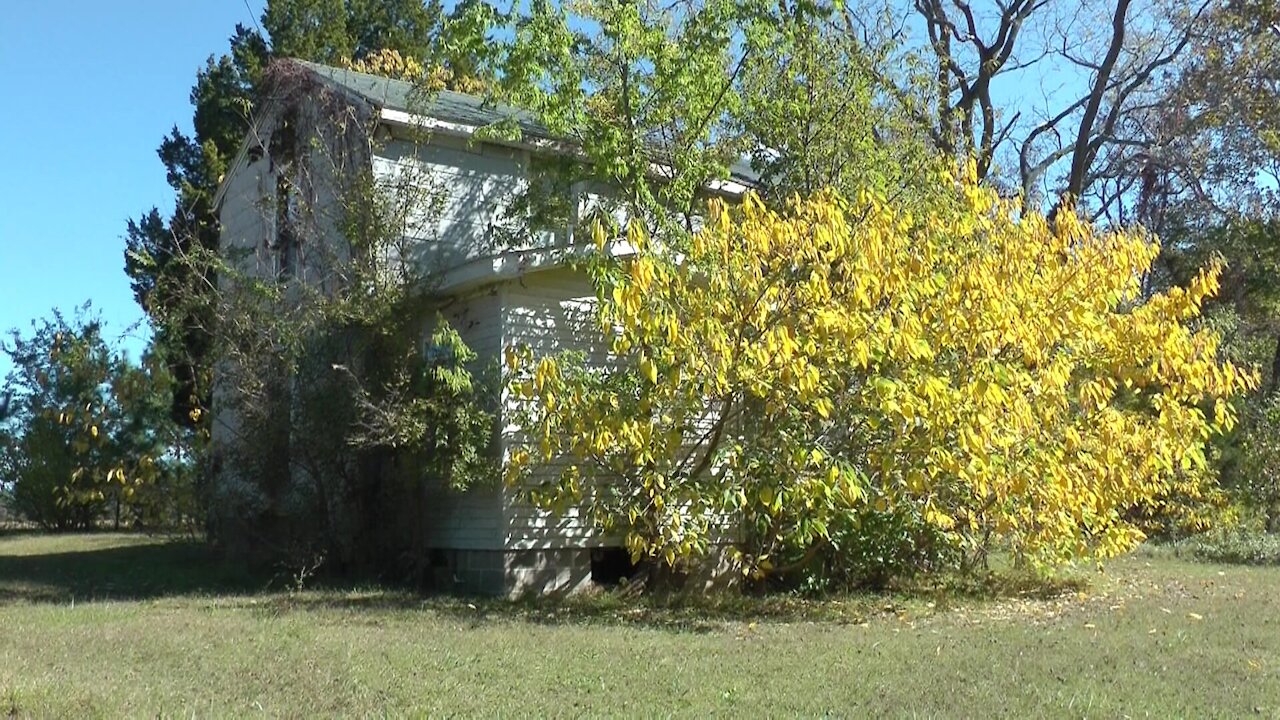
[(247, 218), (472, 190), (244, 229), (550, 312), (471, 519)]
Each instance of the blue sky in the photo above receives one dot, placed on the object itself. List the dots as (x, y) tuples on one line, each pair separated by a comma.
[(88, 89)]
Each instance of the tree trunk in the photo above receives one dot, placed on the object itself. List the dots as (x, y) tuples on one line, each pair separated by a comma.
[(1083, 149)]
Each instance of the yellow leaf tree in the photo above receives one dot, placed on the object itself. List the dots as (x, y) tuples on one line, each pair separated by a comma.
[(965, 362)]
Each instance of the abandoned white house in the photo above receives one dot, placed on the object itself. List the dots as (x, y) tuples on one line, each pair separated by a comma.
[(486, 539)]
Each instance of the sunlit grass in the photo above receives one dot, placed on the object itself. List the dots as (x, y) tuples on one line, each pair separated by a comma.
[(127, 626)]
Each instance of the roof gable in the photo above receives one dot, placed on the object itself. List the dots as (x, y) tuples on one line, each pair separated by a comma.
[(446, 105)]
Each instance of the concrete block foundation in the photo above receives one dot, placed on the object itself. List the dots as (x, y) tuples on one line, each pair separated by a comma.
[(556, 571), (511, 573)]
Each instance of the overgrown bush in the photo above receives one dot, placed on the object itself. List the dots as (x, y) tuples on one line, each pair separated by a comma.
[(38, 466), (1245, 315), (1242, 545), (1256, 479), (871, 549), (963, 363)]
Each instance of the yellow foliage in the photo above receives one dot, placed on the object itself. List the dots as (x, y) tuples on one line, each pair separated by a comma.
[(389, 63), (992, 372)]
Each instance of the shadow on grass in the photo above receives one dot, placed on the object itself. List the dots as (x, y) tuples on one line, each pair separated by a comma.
[(133, 571), (682, 612), (61, 569), (685, 614)]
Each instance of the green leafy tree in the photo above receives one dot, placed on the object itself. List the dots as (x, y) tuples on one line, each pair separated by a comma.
[(222, 99), (56, 450), (1210, 190), (1220, 158), (647, 95), (89, 433), (815, 116), (310, 29), (1247, 313)]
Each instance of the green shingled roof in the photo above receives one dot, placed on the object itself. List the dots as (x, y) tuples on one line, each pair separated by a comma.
[(443, 105), (451, 106)]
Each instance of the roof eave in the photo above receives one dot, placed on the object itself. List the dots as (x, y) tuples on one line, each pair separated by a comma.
[(427, 123)]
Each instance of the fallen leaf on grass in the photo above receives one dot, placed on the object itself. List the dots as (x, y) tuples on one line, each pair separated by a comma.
[(1195, 616)]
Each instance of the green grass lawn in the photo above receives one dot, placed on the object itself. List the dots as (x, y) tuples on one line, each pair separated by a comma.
[(117, 625)]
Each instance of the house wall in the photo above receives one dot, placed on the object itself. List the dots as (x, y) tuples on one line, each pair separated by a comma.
[(466, 207), (246, 225), (249, 203), (326, 156), (462, 531), (243, 227), (471, 519), (549, 312), (469, 198)]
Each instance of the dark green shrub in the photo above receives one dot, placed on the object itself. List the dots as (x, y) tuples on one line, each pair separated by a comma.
[(1244, 545), (872, 550)]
